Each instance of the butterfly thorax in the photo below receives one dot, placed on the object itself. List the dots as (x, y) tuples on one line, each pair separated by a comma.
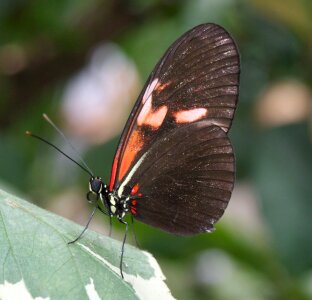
[(118, 206), (115, 205)]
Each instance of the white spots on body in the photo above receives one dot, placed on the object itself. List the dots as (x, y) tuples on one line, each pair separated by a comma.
[(112, 200), (16, 291), (91, 291), (113, 209), (191, 115), (141, 286)]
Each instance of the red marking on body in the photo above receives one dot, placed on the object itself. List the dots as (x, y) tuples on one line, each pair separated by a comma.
[(133, 210), (191, 115), (152, 118), (133, 202), (114, 170), (134, 145), (135, 189), (140, 195)]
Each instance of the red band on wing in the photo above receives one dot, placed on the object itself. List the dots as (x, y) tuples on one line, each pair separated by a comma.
[(114, 171), (134, 145)]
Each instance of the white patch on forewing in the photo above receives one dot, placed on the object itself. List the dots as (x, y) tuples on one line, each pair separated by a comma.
[(149, 90), (16, 291), (128, 178), (152, 118), (146, 289), (191, 115), (145, 111), (91, 291)]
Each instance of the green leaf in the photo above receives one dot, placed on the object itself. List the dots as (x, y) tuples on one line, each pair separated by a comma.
[(37, 263)]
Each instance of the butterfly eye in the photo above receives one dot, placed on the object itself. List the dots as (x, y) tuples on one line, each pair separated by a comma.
[(96, 185), (92, 197)]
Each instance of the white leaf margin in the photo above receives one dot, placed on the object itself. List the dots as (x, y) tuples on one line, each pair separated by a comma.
[(16, 291), (153, 288)]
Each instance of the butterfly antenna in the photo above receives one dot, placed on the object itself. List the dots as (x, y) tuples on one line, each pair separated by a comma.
[(45, 116), (59, 150)]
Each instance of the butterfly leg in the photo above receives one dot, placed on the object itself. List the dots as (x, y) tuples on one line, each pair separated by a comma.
[(123, 245), (86, 227), (102, 210), (133, 232), (110, 226)]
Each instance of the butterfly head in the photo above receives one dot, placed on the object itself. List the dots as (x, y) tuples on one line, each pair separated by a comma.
[(96, 189)]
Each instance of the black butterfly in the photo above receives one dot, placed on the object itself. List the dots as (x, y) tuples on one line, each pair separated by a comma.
[(174, 167)]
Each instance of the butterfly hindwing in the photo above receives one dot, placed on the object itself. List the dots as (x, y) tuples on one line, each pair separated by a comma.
[(196, 79), (184, 181)]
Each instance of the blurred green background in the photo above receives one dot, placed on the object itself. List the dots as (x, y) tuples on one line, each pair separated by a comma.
[(84, 63)]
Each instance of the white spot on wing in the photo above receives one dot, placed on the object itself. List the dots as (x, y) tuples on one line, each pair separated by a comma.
[(149, 90), (146, 289), (191, 115), (91, 291), (149, 117), (16, 291)]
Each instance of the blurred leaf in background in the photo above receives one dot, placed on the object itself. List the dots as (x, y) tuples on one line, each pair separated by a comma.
[(80, 60)]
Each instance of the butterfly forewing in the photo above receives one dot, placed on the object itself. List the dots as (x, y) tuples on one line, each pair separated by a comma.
[(196, 79)]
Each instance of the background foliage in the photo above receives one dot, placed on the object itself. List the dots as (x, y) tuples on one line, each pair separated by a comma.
[(72, 59)]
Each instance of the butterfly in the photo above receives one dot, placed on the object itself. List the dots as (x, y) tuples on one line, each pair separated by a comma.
[(174, 167)]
